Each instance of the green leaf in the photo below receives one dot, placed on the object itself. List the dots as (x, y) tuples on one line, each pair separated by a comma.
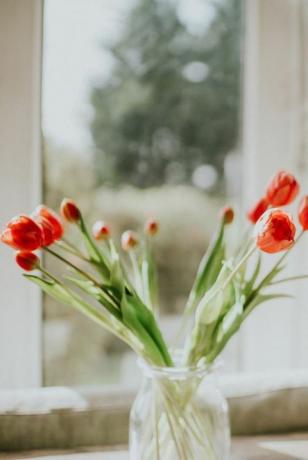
[(261, 298), (216, 300), (230, 319), (51, 288), (209, 269), (97, 293), (131, 318), (250, 284)]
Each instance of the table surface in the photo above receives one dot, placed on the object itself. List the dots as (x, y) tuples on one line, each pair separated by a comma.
[(243, 448)]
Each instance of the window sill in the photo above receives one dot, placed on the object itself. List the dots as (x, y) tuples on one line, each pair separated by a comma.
[(63, 418)]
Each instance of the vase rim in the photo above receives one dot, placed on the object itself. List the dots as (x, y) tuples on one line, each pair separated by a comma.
[(178, 372)]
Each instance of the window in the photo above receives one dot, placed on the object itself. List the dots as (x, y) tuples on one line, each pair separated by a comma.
[(274, 100), (141, 116)]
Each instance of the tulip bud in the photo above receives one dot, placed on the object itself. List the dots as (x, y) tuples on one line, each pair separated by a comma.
[(70, 211), (227, 214), (258, 209), (275, 231), (22, 233), (303, 213), (100, 230), (151, 227), (129, 240), (27, 260), (282, 189), (52, 218)]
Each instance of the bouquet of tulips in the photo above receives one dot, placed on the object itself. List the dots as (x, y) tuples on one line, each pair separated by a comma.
[(118, 289)]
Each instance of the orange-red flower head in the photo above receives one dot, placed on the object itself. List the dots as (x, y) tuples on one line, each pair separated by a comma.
[(100, 230), (27, 260), (151, 227), (303, 213), (227, 214), (282, 189), (23, 233), (52, 218), (47, 231), (129, 240), (70, 211), (258, 209), (275, 231)]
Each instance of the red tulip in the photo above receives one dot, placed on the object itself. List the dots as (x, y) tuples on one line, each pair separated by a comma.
[(129, 240), (47, 231), (23, 233), (282, 189), (227, 214), (100, 230), (151, 227), (275, 231), (52, 218), (258, 209), (303, 213), (70, 211), (27, 260)]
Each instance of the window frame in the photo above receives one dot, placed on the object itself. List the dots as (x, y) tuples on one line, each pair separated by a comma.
[(21, 174), (270, 138)]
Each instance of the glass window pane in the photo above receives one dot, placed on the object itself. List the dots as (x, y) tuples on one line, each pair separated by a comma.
[(141, 109)]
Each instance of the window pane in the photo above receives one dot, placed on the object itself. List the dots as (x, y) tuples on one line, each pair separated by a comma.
[(141, 104)]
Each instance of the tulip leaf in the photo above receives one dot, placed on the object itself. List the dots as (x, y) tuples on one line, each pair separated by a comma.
[(209, 269), (97, 293), (250, 284)]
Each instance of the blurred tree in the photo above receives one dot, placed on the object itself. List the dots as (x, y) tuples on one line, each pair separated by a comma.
[(172, 100)]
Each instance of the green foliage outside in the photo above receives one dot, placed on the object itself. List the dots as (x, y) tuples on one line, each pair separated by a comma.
[(152, 124)]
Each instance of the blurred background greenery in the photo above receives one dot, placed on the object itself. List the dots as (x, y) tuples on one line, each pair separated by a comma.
[(165, 130)]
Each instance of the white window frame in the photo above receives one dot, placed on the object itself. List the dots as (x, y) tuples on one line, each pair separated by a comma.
[(20, 150), (273, 130)]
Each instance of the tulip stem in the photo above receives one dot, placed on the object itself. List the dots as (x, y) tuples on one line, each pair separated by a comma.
[(66, 246), (70, 264), (238, 266)]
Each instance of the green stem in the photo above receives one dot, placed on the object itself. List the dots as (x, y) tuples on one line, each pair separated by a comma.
[(70, 264)]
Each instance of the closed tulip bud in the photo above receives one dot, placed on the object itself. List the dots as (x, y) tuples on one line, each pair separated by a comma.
[(303, 213), (282, 189), (53, 219), (100, 230), (227, 214), (275, 231), (129, 240), (22, 233), (70, 211), (27, 260), (151, 227), (257, 210)]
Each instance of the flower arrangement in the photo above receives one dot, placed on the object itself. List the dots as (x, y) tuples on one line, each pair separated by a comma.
[(125, 302)]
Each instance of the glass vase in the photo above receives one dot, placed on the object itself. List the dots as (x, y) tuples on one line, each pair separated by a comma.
[(179, 414)]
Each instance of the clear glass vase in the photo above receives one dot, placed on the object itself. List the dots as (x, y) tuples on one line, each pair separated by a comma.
[(179, 414)]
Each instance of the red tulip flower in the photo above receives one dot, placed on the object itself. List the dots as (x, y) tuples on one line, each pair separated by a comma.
[(23, 233), (47, 231), (227, 215), (258, 209), (70, 211), (52, 218), (27, 260), (303, 213), (129, 240), (282, 189), (275, 231), (151, 227), (100, 230)]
